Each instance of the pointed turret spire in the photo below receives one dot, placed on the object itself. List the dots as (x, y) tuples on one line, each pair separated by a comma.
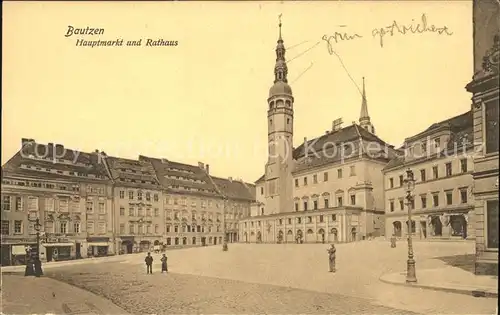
[(280, 69), (364, 117), (364, 105)]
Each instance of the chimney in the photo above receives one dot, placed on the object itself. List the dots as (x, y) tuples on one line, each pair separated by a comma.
[(201, 165), (207, 168), (305, 139), (230, 179)]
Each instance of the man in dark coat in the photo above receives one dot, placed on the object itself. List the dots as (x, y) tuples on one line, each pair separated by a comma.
[(149, 263)]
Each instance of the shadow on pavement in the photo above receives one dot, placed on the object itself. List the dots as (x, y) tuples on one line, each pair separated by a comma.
[(465, 262)]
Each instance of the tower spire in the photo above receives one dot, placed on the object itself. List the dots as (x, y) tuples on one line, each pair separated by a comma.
[(364, 105), (280, 68), (364, 117)]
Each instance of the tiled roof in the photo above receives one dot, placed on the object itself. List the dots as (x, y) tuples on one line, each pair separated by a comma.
[(41, 160), (462, 133), (326, 154), (135, 173), (174, 175), (235, 189), (456, 123)]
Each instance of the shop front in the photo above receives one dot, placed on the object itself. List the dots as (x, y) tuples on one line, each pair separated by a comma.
[(98, 246), (13, 251), (127, 245), (57, 249)]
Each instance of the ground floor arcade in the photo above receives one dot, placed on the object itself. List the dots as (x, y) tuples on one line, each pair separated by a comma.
[(346, 224)]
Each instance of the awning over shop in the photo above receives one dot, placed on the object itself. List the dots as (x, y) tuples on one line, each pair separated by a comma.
[(57, 244), (98, 244)]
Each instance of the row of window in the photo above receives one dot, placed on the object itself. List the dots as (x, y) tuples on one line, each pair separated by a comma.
[(70, 173), (352, 172), (50, 227), (435, 173), (192, 180), (309, 219), (35, 184), (435, 201), (141, 229), (325, 203), (131, 195)]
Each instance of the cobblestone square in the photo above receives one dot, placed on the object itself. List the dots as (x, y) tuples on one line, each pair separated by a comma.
[(256, 278)]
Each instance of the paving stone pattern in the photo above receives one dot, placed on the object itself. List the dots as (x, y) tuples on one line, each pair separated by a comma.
[(171, 293)]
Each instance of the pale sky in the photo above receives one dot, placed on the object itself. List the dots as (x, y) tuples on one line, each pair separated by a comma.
[(206, 99)]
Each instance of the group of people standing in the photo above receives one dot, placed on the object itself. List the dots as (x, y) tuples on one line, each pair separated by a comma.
[(332, 251), (149, 263), (33, 267)]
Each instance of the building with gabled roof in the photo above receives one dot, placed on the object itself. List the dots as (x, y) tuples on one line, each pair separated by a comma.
[(138, 200), (441, 158), (327, 189), (69, 191)]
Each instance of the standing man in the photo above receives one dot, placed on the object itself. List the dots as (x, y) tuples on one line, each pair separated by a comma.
[(331, 257), (149, 263)]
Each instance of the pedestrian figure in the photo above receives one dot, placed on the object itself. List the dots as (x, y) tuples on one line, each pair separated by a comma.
[(38, 267), (331, 257), (393, 241), (164, 263), (149, 263), (29, 270)]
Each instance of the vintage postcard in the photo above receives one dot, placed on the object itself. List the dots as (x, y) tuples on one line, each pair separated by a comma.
[(245, 157)]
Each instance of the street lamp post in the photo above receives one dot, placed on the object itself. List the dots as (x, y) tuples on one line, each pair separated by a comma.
[(224, 240), (411, 276), (37, 227)]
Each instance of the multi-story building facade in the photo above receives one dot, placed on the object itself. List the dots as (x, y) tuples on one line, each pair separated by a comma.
[(441, 158), (485, 95), (51, 183), (196, 205), (91, 204), (137, 204), (328, 189), (239, 196)]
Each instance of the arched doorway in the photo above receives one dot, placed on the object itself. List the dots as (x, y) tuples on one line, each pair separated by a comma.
[(458, 226), (333, 237), (176, 241), (210, 240), (289, 236), (127, 247), (321, 236), (353, 234), (245, 236), (280, 237), (193, 240), (252, 237), (436, 226), (184, 241), (310, 236), (396, 226), (156, 243), (259, 237)]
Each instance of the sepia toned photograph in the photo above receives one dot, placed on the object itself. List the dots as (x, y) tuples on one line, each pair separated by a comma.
[(250, 157)]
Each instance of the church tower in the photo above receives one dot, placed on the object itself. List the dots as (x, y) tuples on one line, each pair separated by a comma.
[(278, 174), (364, 118)]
